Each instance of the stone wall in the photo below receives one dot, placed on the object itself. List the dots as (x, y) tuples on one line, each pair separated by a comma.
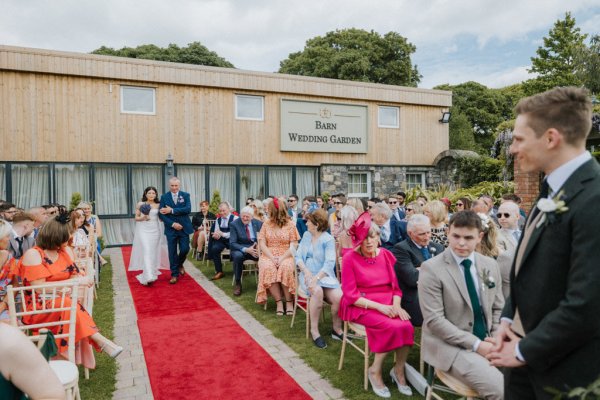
[(384, 179)]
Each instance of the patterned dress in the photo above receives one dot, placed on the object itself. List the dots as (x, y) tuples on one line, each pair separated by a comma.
[(374, 279), (439, 235), (278, 241), (60, 270), (7, 273)]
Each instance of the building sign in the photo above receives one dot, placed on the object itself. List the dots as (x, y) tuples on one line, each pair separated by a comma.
[(323, 127)]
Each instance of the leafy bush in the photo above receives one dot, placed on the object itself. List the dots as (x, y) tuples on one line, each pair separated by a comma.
[(325, 196), (472, 170), (494, 189), (75, 200), (214, 202)]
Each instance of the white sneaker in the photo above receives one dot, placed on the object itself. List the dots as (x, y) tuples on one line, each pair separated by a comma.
[(404, 389)]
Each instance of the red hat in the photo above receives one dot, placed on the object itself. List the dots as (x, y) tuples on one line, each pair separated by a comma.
[(446, 201), (360, 229)]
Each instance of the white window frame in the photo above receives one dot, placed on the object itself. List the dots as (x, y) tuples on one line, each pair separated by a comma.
[(123, 111), (262, 110), (366, 194), (381, 125), (416, 173)]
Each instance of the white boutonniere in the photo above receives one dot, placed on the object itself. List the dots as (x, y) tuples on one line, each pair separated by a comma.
[(180, 200), (487, 279), (432, 251), (550, 208)]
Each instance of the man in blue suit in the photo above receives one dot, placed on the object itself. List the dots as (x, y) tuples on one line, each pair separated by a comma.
[(243, 243), (175, 208)]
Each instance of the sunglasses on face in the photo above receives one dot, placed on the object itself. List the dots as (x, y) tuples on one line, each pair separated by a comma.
[(505, 215), (337, 202), (392, 202), (410, 209), (459, 205)]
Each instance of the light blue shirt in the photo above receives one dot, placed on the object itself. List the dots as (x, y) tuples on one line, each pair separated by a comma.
[(557, 178), (318, 258)]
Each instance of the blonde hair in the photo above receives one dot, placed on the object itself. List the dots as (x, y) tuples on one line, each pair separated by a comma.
[(438, 212), (356, 203)]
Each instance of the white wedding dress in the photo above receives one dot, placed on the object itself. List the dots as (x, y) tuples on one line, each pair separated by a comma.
[(149, 252)]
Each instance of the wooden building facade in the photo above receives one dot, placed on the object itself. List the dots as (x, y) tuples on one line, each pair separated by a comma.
[(107, 127)]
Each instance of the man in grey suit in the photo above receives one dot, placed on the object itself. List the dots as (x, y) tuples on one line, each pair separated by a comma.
[(461, 299), (410, 254), (549, 337)]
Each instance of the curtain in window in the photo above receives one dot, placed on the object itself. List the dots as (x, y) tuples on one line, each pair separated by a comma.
[(192, 181), (252, 184), (223, 180), (306, 182), (30, 185), (118, 231), (71, 178), (141, 178), (2, 182), (280, 181), (111, 190)]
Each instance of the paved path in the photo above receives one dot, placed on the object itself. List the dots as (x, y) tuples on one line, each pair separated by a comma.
[(132, 376)]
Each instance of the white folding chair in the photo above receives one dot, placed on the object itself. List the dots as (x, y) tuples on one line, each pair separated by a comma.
[(63, 296)]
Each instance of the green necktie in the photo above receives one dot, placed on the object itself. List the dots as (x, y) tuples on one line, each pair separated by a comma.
[(479, 326)]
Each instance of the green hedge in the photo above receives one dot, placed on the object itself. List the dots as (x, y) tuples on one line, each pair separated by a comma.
[(472, 170)]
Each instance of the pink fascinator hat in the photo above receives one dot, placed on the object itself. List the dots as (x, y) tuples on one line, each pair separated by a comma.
[(360, 229)]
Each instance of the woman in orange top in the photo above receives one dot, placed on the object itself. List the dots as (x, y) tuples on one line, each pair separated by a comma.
[(51, 260), (7, 267), (278, 239)]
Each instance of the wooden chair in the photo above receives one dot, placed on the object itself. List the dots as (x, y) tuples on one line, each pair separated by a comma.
[(208, 223), (360, 333), (304, 298), (62, 293), (248, 267), (450, 385)]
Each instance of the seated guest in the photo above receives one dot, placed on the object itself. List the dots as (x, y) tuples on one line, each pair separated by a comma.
[(335, 218), (219, 237), (509, 233), (8, 211), (23, 369), (8, 267), (39, 215), (392, 231), (259, 210), (479, 206), (394, 203), (51, 260), (410, 253), (357, 203), (411, 209), (505, 262), (277, 240), (293, 210), (320, 202), (307, 203), (80, 240), (96, 226), (371, 297), (243, 241), (22, 238), (462, 204), (517, 200), (438, 217), (371, 202), (489, 241), (199, 223), (344, 242), (316, 261), (460, 293)]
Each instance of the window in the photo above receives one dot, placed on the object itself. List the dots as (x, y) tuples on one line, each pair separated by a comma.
[(359, 184), (138, 100), (192, 181), (249, 107), (280, 181), (111, 189), (252, 184), (415, 180), (143, 176), (389, 117), (71, 178), (2, 180), (30, 185), (307, 181)]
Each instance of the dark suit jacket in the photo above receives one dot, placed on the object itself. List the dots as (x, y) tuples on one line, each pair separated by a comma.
[(557, 289), (408, 259), (181, 213), (397, 233), (238, 238)]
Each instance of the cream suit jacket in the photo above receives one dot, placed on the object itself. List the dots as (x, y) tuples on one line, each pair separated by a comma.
[(505, 241), (446, 307)]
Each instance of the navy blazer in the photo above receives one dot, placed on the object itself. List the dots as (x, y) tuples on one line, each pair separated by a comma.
[(180, 214), (397, 233), (238, 238)]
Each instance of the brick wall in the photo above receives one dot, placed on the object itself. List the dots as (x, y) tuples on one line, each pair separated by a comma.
[(527, 186)]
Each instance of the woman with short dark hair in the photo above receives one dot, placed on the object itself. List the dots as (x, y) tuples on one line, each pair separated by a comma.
[(316, 261)]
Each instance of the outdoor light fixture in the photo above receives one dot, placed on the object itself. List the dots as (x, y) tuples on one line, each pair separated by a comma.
[(169, 164), (445, 117)]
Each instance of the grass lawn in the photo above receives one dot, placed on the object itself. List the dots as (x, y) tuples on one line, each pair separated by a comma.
[(325, 362), (101, 384)]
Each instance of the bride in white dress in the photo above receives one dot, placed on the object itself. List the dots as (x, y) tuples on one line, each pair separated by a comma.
[(149, 252)]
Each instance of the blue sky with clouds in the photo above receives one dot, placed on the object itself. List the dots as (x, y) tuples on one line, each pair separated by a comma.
[(490, 42)]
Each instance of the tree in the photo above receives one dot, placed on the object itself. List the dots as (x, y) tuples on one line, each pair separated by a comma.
[(556, 61), (588, 60), (194, 53), (214, 202), (461, 132), (356, 55)]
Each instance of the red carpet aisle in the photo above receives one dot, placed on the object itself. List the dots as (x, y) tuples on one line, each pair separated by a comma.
[(195, 350)]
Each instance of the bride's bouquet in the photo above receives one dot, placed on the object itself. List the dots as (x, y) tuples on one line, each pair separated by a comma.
[(145, 208)]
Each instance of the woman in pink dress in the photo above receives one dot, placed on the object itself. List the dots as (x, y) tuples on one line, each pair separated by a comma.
[(277, 239), (371, 297)]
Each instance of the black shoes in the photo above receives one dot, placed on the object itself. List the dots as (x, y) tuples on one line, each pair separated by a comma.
[(337, 336), (320, 343)]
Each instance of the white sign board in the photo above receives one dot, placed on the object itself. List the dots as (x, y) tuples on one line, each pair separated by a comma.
[(323, 127)]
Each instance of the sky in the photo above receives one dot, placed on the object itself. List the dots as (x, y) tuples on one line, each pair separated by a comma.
[(490, 42)]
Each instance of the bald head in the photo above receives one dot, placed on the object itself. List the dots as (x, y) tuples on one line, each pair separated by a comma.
[(508, 213)]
